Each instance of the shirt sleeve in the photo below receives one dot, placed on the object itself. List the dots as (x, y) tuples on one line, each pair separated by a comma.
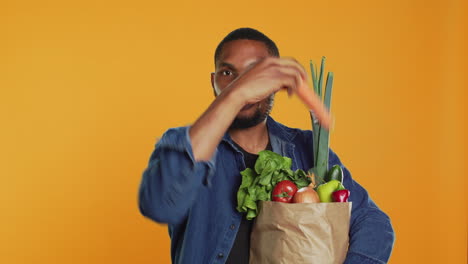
[(172, 179), (371, 235)]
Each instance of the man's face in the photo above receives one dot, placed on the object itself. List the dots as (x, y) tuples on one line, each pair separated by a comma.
[(234, 59)]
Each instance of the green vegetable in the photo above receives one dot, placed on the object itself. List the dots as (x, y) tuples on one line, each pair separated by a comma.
[(335, 173), (324, 136), (321, 135), (315, 123), (331, 181), (325, 190), (322, 65), (257, 185)]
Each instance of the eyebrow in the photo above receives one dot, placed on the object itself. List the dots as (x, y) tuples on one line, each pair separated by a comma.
[(225, 64), (229, 65)]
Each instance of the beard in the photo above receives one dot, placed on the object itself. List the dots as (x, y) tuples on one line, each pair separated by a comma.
[(261, 113)]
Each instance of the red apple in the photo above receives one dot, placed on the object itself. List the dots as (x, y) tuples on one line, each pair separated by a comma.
[(340, 196)]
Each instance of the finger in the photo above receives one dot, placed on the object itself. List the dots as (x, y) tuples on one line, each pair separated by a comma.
[(287, 81), (291, 73), (294, 60), (290, 92), (289, 61), (293, 82)]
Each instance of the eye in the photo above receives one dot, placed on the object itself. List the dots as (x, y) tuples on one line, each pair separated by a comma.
[(226, 72)]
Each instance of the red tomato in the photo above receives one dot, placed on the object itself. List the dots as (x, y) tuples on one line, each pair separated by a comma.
[(284, 191)]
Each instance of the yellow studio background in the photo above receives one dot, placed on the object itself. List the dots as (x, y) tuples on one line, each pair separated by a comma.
[(86, 87)]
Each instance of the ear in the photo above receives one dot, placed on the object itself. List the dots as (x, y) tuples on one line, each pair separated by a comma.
[(212, 83)]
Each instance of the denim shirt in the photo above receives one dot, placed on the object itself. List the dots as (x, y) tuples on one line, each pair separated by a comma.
[(197, 199)]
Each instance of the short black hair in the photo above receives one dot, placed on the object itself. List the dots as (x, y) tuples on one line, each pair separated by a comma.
[(247, 33)]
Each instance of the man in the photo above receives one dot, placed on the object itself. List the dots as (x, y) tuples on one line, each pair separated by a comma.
[(193, 174)]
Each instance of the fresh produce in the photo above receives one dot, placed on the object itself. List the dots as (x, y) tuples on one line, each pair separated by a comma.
[(335, 173), (325, 190), (306, 195), (332, 179), (284, 191), (272, 177), (321, 133), (314, 103), (257, 185), (340, 196)]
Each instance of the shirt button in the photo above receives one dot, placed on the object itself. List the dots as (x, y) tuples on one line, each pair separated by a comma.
[(232, 227), (220, 255)]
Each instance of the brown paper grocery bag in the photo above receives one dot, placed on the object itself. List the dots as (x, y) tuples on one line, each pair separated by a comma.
[(312, 233)]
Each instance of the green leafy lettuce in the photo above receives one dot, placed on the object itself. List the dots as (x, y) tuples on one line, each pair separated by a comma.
[(270, 168)]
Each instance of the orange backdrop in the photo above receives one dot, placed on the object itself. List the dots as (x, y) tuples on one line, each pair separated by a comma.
[(86, 87)]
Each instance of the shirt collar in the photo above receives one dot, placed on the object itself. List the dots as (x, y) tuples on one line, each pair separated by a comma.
[(280, 139)]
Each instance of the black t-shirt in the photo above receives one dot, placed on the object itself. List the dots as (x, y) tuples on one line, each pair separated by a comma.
[(241, 249)]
